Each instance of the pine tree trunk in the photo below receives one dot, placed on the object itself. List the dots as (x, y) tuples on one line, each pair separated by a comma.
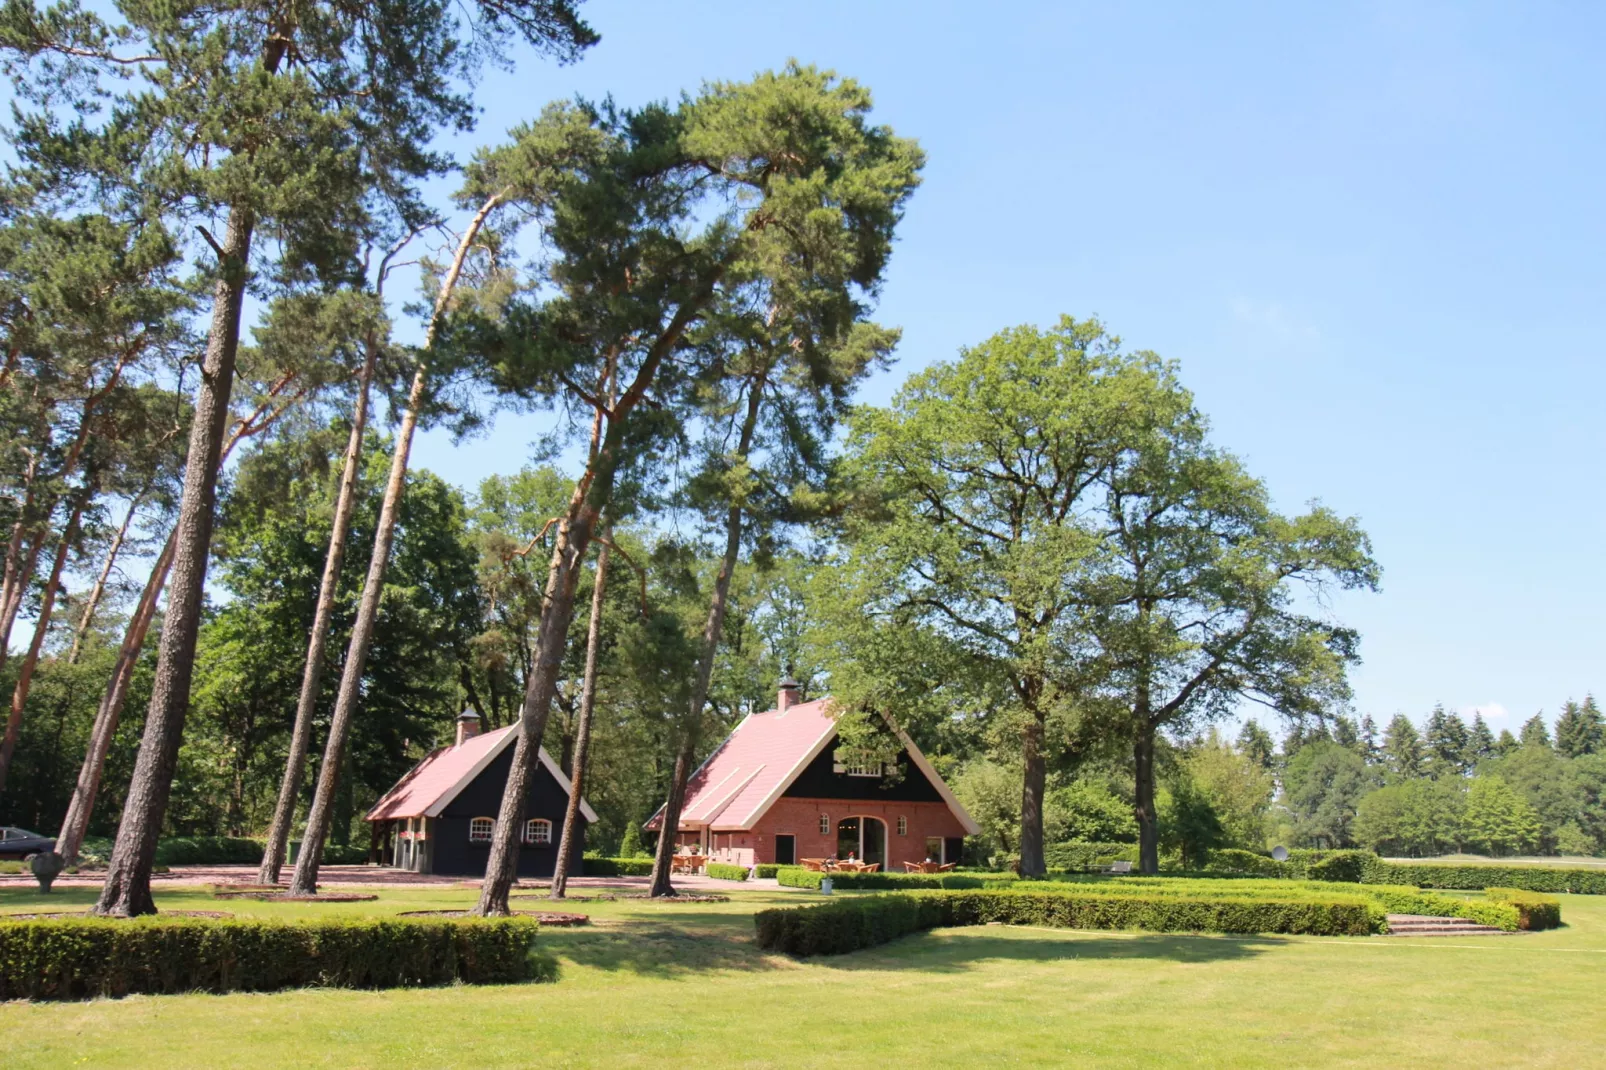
[(30, 661), (304, 880), (1033, 788), (312, 671), (691, 731), (582, 741), (1148, 818), (127, 890), (92, 603)]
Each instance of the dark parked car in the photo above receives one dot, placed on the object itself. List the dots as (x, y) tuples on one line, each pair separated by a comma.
[(20, 843)]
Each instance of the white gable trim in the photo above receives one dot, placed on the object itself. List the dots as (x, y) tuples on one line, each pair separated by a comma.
[(959, 811), (439, 806)]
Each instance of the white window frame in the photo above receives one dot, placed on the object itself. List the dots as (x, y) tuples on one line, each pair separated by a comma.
[(825, 825), (530, 828), (481, 829), (903, 825)]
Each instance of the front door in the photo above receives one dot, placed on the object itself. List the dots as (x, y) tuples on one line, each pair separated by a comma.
[(785, 850)]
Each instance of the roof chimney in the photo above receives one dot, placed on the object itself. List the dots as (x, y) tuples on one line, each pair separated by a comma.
[(468, 726), (791, 694)]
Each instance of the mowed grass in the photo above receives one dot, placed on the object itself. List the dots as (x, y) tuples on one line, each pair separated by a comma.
[(653, 984)]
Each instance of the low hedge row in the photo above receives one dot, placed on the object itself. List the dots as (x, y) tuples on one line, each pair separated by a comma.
[(767, 870), (851, 924), (222, 851), (1479, 877), (798, 877), (1534, 911), (1078, 855), (725, 871), (617, 867), (90, 957)]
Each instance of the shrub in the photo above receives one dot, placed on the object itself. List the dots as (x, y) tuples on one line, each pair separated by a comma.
[(208, 850), (767, 870), (1077, 855), (617, 867), (1233, 860), (630, 845), (1476, 877), (12, 867), (798, 877), (725, 872), (1347, 866), (90, 957), (1534, 911), (851, 924)]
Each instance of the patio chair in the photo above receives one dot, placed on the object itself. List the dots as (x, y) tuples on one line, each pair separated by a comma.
[(815, 864), (870, 867), (946, 868)]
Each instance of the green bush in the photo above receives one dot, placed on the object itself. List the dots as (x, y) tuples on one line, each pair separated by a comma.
[(92, 957), (1233, 860), (1347, 866), (208, 851), (766, 870), (1476, 878), (725, 871), (596, 866), (850, 924), (1076, 855), (1534, 911), (12, 868)]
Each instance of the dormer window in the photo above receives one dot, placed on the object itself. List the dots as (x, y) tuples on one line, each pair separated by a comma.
[(538, 831), (479, 830)]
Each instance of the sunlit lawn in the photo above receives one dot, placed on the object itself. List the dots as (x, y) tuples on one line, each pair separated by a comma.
[(654, 985)]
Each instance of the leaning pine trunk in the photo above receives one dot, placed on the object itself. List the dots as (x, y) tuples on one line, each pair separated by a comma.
[(582, 742), (712, 627), (30, 661), (92, 603), (1148, 821), (312, 672), (1034, 784), (304, 881), (127, 890)]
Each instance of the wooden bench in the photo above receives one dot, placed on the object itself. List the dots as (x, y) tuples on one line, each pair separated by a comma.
[(1118, 867)]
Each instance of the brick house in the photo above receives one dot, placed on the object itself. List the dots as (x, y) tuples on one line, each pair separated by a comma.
[(781, 788), (439, 817)]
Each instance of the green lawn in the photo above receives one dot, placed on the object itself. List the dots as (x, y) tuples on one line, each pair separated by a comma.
[(652, 984)]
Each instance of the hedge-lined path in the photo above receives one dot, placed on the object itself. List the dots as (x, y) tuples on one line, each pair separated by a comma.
[(989, 995)]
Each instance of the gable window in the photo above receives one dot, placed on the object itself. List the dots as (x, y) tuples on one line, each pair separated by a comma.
[(903, 826), (479, 830), (538, 830), (825, 825), (861, 763)]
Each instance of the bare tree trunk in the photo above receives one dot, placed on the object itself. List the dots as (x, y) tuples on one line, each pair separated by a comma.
[(16, 574), (76, 824), (312, 672), (30, 661), (712, 626), (1148, 818), (127, 890), (582, 741), (1033, 788), (92, 603), (304, 881)]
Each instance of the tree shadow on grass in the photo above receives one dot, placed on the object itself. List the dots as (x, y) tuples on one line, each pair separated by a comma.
[(958, 950)]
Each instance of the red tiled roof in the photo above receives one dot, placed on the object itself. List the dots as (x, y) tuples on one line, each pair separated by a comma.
[(435, 781)]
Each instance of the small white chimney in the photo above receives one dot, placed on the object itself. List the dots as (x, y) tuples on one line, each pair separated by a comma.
[(468, 726), (790, 695)]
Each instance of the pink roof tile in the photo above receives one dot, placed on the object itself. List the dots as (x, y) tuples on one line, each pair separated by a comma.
[(435, 781), (756, 762)]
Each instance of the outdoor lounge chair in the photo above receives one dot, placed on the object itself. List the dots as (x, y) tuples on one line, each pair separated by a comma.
[(1119, 867), (946, 868)]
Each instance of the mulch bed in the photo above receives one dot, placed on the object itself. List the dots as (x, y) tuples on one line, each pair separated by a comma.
[(683, 897), (545, 917), (85, 914), (286, 897)]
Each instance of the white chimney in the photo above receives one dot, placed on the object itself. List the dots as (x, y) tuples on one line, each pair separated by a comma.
[(468, 726), (791, 694)]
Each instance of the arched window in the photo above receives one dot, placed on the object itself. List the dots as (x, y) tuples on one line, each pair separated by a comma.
[(479, 830), (538, 830)]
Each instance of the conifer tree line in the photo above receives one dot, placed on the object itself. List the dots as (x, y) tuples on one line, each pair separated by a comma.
[(232, 606)]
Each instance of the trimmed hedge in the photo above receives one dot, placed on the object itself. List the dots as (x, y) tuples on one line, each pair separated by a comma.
[(798, 877), (222, 851), (767, 870), (91, 957), (617, 867), (1079, 855), (725, 871), (851, 924), (1534, 911), (1477, 878)]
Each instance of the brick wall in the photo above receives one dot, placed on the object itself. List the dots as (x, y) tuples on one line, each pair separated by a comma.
[(801, 818)]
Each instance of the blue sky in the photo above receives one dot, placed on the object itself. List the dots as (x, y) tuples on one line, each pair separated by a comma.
[(1372, 235)]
